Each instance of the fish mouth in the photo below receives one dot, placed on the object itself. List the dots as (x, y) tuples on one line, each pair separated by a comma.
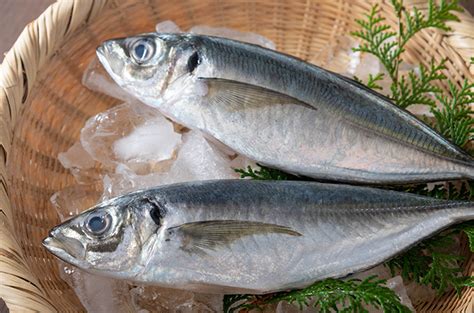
[(67, 249), (111, 60), (102, 52)]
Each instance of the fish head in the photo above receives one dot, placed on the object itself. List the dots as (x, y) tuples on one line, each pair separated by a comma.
[(145, 65), (106, 239)]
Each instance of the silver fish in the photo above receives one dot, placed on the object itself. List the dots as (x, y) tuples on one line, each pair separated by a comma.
[(281, 111), (233, 236)]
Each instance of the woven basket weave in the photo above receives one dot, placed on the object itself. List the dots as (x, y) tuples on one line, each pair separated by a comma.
[(43, 107)]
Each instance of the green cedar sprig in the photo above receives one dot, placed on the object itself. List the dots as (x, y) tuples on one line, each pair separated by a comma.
[(417, 88), (377, 38), (446, 190), (469, 231), (372, 81), (454, 119), (329, 295), (431, 263), (264, 173), (387, 45)]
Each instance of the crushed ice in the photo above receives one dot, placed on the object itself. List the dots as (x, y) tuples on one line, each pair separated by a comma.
[(132, 146)]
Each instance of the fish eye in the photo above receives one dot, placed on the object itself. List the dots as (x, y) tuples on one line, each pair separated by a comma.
[(98, 224), (142, 50)]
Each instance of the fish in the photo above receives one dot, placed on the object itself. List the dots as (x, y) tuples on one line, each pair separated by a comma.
[(249, 236), (281, 111)]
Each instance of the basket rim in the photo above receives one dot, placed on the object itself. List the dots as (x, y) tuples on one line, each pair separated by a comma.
[(36, 44)]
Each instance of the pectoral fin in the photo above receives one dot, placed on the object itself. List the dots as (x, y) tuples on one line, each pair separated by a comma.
[(196, 237), (238, 95)]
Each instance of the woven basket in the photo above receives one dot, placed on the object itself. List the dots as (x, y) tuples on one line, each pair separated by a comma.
[(43, 107)]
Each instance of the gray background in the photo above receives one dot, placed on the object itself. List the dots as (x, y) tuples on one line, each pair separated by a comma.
[(15, 14)]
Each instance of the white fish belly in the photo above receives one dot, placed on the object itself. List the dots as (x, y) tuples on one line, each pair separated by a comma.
[(315, 142)]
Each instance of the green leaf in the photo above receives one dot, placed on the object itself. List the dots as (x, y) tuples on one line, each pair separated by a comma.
[(437, 17), (411, 265), (430, 264), (376, 37), (417, 88), (444, 272), (234, 303), (469, 282), (446, 190), (469, 231), (454, 119), (386, 44), (264, 173), (372, 81), (329, 295)]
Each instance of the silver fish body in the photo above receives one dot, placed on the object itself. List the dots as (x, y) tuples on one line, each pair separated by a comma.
[(234, 236), (281, 111)]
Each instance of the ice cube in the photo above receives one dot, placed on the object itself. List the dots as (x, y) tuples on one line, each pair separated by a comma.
[(72, 200), (115, 185), (97, 79), (111, 137), (420, 110), (156, 299), (80, 164), (368, 65), (167, 27), (339, 57), (396, 284), (102, 295), (153, 141), (97, 294), (234, 34), (199, 160), (77, 157), (253, 38), (194, 306), (125, 180)]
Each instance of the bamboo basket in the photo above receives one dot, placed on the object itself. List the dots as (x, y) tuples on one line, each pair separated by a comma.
[(43, 106)]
